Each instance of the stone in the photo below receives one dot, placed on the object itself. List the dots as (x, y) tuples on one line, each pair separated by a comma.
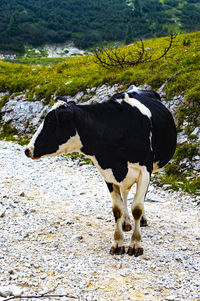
[(5, 291), (16, 291), (162, 91), (2, 211)]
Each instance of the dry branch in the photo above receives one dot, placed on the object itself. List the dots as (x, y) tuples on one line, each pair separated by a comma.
[(121, 58), (39, 297)]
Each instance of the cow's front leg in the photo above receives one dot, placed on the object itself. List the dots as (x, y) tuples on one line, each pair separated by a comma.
[(126, 221), (118, 210), (143, 221), (137, 209)]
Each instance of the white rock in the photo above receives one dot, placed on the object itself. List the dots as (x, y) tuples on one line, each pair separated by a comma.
[(5, 291), (16, 291)]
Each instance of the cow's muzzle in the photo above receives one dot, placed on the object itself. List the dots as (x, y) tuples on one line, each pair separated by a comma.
[(29, 153)]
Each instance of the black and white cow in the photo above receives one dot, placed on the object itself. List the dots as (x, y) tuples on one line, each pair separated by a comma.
[(127, 138)]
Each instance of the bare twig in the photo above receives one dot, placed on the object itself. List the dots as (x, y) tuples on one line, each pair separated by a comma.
[(120, 58), (39, 297)]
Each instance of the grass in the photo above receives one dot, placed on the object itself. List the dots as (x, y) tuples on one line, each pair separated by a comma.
[(83, 72), (40, 61), (9, 133), (40, 78)]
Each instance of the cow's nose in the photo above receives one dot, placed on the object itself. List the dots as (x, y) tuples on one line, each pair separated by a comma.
[(27, 152)]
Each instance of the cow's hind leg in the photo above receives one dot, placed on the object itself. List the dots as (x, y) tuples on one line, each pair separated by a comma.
[(137, 209), (118, 211)]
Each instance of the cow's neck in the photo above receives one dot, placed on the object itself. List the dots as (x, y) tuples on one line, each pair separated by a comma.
[(88, 129)]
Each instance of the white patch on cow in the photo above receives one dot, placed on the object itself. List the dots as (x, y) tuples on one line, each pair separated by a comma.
[(136, 103), (73, 144), (106, 173), (150, 139), (134, 170), (58, 104), (119, 100)]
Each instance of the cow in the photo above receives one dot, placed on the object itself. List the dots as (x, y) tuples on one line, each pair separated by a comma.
[(128, 137)]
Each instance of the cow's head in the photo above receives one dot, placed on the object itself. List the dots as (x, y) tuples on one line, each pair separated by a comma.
[(57, 133)]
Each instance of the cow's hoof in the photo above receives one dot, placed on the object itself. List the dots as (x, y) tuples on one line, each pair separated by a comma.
[(143, 222), (135, 251), (117, 250), (126, 227)]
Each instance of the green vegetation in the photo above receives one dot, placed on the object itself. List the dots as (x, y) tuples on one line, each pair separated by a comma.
[(92, 22), (79, 158), (179, 69), (35, 60), (9, 133)]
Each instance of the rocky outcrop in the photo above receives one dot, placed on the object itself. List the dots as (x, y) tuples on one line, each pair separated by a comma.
[(25, 116)]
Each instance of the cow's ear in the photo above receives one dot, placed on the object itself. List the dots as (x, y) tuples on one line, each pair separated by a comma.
[(64, 113)]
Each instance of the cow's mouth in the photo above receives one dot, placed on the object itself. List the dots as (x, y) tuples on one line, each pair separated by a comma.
[(29, 154)]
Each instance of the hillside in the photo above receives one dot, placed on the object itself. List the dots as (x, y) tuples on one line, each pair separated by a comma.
[(176, 76), (91, 22)]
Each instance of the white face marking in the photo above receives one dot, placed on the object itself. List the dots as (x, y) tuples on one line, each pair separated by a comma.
[(32, 142), (135, 103), (74, 144)]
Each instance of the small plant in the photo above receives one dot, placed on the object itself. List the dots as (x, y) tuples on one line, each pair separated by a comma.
[(186, 42)]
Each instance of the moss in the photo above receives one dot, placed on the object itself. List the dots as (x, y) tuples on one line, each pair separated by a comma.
[(186, 150), (172, 169), (190, 184), (80, 158), (7, 130), (3, 101), (189, 114), (192, 96), (9, 133)]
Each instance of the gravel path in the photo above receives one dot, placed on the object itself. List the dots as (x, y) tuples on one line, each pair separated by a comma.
[(56, 226)]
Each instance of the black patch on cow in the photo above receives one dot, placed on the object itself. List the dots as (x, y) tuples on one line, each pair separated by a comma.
[(164, 134), (137, 212), (115, 134), (110, 187), (117, 213)]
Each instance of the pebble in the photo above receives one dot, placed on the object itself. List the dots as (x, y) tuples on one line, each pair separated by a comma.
[(58, 226), (2, 211)]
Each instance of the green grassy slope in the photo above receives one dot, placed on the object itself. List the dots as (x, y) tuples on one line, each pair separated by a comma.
[(179, 69)]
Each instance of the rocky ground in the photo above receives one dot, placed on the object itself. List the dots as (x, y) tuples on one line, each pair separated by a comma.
[(56, 226)]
